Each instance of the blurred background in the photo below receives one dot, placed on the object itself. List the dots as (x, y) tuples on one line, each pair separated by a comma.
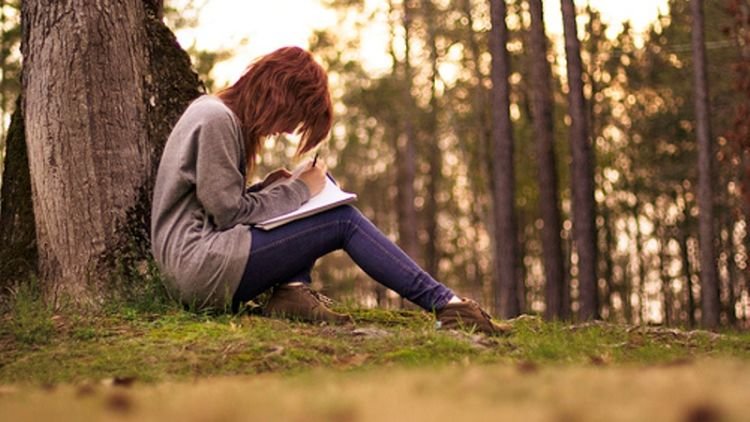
[(412, 83)]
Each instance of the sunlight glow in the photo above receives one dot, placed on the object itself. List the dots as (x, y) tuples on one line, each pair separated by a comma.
[(251, 28)]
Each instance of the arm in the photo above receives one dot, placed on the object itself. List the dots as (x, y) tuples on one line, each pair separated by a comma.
[(220, 185), (255, 187)]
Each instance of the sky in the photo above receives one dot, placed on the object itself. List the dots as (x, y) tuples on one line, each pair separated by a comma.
[(251, 28)]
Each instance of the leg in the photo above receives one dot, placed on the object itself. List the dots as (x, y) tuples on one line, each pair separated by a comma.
[(280, 254)]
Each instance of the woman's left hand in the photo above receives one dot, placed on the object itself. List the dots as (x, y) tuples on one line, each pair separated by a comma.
[(280, 173)]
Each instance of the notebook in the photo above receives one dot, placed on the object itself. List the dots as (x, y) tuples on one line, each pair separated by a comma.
[(330, 197)]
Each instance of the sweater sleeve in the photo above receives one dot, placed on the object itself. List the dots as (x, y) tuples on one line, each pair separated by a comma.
[(220, 184)]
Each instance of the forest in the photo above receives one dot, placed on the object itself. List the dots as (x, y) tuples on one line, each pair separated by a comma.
[(618, 193), (586, 181), (492, 158)]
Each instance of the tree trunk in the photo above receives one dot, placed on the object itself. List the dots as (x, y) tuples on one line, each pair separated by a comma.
[(739, 135), (94, 134), (639, 254), (503, 188), (549, 201), (709, 278), (666, 280), (609, 249), (582, 182), (685, 255), (18, 256), (434, 155), (407, 155), (478, 157)]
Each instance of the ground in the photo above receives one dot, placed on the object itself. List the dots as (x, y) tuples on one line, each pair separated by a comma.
[(169, 363)]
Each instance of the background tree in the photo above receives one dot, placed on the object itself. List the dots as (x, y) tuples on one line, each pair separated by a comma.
[(542, 107), (709, 283), (503, 180), (582, 184)]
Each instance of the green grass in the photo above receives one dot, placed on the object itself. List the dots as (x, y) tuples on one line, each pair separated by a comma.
[(62, 365), (167, 343)]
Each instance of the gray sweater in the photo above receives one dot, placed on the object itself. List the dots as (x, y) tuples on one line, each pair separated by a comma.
[(201, 210)]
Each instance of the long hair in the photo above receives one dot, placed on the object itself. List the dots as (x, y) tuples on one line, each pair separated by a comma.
[(280, 92)]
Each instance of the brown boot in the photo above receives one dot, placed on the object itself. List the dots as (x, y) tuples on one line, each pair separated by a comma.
[(467, 315), (303, 303)]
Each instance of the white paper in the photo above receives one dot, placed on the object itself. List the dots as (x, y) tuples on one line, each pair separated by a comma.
[(331, 196)]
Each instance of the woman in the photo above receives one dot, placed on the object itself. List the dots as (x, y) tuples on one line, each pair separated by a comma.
[(202, 214)]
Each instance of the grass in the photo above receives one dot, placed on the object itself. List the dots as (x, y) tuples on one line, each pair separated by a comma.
[(39, 347), (392, 364)]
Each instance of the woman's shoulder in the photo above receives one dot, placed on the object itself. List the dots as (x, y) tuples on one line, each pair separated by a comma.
[(209, 109)]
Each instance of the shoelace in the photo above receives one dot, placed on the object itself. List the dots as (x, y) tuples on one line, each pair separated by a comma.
[(484, 313), (320, 297)]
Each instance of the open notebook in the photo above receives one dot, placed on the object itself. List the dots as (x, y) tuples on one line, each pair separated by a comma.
[(331, 196)]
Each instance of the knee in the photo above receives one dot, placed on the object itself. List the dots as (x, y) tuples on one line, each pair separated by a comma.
[(346, 213)]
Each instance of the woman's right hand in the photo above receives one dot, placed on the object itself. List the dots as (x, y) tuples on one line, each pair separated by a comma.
[(314, 178)]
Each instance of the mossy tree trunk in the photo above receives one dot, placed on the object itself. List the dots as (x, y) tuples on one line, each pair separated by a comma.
[(103, 85)]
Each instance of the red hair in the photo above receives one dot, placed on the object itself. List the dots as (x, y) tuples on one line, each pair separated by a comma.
[(280, 92)]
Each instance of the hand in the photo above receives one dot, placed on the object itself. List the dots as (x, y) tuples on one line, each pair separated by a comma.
[(280, 173), (314, 177)]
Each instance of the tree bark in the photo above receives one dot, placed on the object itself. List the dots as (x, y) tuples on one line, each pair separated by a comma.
[(433, 149), (582, 181), (478, 157), (685, 257), (407, 154), (97, 116), (709, 278), (18, 255), (541, 94), (503, 188), (666, 279)]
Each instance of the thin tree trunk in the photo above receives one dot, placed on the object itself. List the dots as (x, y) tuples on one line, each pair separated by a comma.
[(435, 157), (643, 308), (709, 279), (666, 280), (582, 183), (3, 61), (502, 166), (685, 255), (407, 156), (480, 165), (610, 246), (541, 94), (730, 251)]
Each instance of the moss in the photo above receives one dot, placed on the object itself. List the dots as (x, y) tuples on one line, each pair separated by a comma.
[(176, 345)]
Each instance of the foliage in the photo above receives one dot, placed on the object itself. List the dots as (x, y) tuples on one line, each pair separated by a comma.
[(29, 317), (185, 14)]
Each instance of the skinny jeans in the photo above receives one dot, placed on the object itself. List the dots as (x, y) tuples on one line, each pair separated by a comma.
[(288, 253)]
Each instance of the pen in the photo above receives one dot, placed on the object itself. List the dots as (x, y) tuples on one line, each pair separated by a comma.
[(315, 160)]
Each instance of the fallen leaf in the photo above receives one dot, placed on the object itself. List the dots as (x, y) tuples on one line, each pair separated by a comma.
[(119, 402), (527, 367)]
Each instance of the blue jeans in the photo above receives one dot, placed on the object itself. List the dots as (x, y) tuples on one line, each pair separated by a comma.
[(287, 254)]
